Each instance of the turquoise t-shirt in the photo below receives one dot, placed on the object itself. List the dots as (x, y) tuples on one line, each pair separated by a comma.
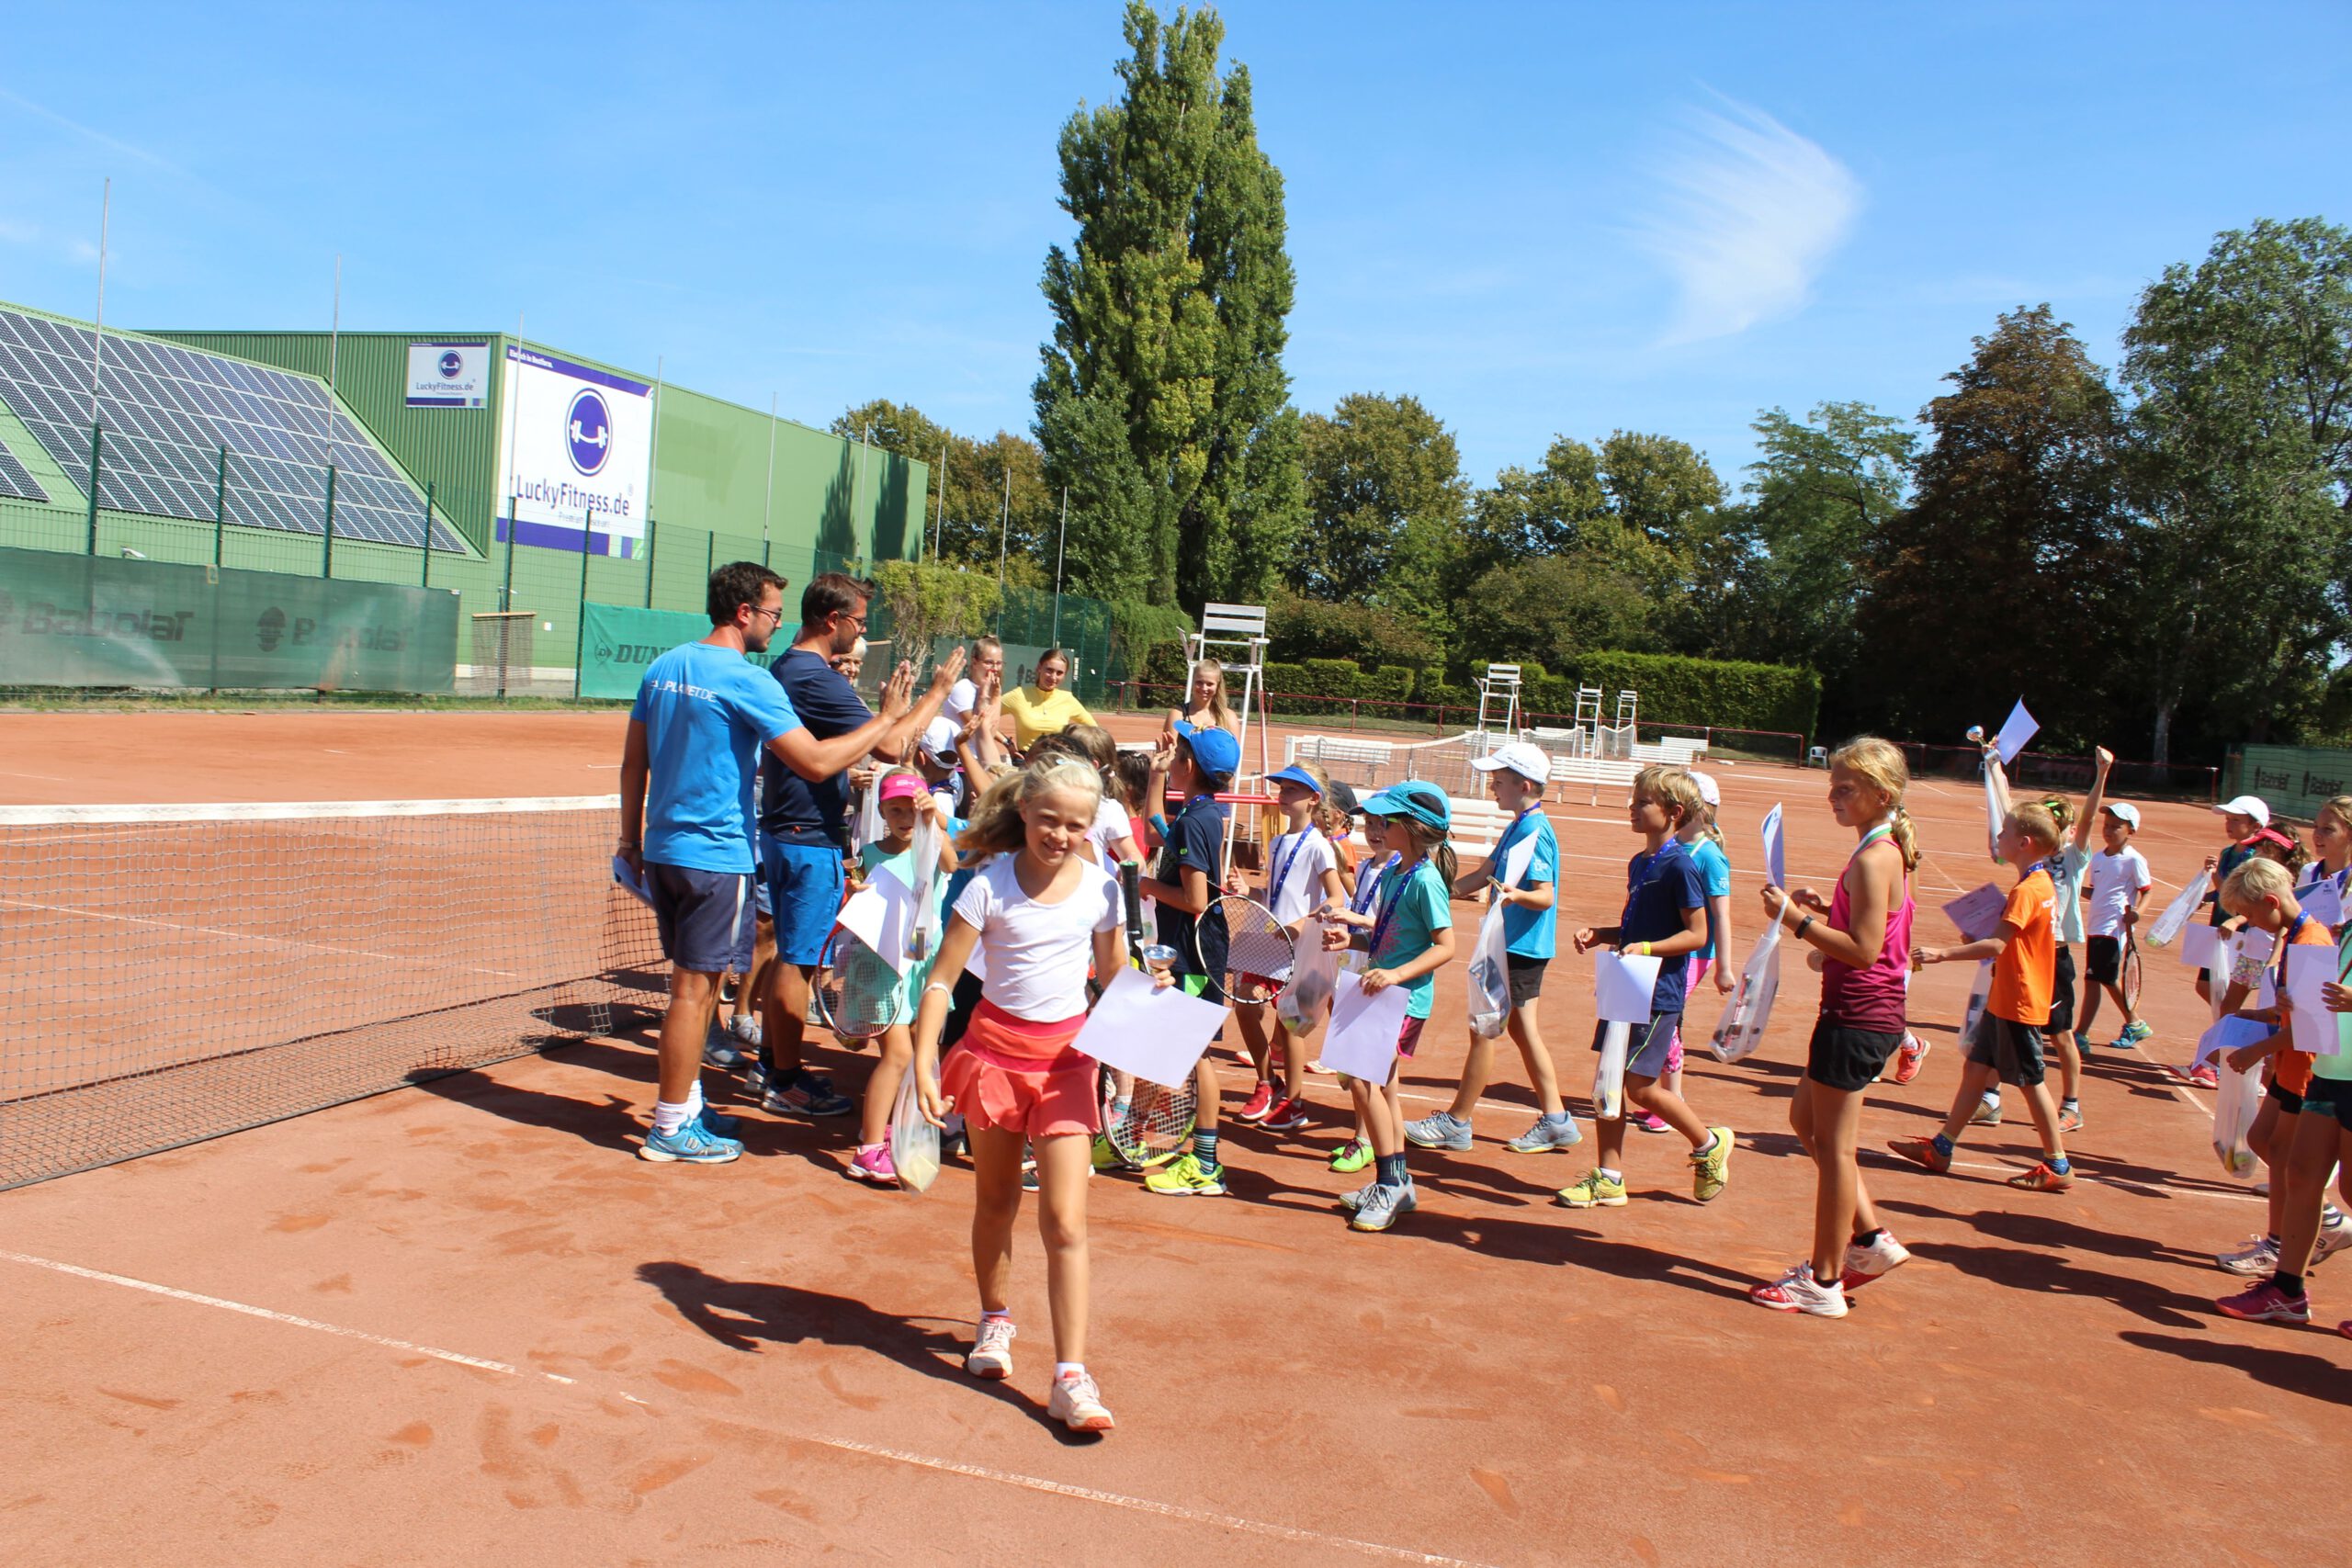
[(1714, 871), (1530, 933), (1408, 908), (2337, 1068)]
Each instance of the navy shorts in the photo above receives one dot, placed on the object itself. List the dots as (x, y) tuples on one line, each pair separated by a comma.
[(805, 886), (1646, 1051), (1525, 976), (2011, 1049), (2329, 1096), (705, 917)]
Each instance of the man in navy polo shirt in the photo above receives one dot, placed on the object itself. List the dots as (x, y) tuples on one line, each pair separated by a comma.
[(703, 715), (804, 826)]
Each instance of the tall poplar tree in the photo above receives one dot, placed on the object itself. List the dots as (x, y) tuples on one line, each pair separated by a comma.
[(1162, 402)]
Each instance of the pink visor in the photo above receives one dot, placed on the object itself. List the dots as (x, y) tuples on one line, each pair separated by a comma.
[(900, 786)]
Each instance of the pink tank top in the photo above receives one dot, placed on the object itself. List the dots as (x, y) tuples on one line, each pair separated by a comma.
[(1869, 998)]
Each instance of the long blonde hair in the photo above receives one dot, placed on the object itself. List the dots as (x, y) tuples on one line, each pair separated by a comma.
[(1434, 843), (996, 827), (1220, 711), (1878, 764)]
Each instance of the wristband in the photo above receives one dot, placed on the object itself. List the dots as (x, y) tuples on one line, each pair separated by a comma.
[(1643, 950), (1801, 927), (939, 986)]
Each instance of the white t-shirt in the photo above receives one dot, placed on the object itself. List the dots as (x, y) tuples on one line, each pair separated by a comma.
[(961, 696), (1111, 825), (2114, 880), (2321, 893), (1299, 859), (1037, 954)]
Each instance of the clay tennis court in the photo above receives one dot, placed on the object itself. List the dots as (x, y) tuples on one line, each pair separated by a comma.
[(460, 1323)]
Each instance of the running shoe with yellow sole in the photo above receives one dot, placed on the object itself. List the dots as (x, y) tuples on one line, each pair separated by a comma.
[(1711, 1166), (1593, 1190), (1187, 1178)]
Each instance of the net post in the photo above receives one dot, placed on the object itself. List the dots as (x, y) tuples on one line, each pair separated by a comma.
[(98, 440), (650, 527), (424, 540), (326, 557), (220, 517)]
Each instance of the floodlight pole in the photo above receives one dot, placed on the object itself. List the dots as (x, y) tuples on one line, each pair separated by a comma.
[(1003, 533), (767, 496), (99, 337), (1061, 550), (939, 527)]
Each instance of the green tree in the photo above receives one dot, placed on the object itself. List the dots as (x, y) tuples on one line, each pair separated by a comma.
[(2242, 370), (1549, 609), (2003, 577), (1386, 499), (1162, 403), (971, 524)]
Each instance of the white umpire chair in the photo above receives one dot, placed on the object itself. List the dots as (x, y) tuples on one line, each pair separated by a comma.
[(1235, 636), (1498, 698)]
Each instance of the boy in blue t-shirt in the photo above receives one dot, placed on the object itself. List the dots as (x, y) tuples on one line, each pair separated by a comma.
[(1665, 917), (1186, 881), (1523, 874), (703, 715)]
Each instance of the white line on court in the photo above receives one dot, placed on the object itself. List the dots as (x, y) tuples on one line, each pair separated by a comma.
[(896, 1456), (242, 936)]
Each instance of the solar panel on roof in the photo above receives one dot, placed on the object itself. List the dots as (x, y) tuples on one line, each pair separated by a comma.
[(15, 480), (168, 411)]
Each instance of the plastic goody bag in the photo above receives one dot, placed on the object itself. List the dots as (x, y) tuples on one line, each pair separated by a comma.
[(2238, 1094), (870, 825), (2167, 925), (914, 1143), (1608, 1078), (1490, 958), (1312, 975), (1741, 1029), (1978, 994), (923, 932)]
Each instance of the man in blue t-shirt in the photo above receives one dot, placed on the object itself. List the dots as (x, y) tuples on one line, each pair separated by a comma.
[(703, 715), (803, 827), (1522, 874)]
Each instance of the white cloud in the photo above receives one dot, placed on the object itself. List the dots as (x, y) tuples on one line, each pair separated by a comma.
[(1750, 214)]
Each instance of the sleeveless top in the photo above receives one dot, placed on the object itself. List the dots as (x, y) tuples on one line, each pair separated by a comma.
[(1869, 998)]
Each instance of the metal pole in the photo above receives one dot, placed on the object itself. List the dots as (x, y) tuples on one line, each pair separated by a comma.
[(653, 457), (648, 563), (426, 579), (939, 527), (326, 559), (1061, 548), (97, 436), (767, 496), (1003, 533), (579, 636), (98, 338), (709, 554), (857, 498), (334, 344), (219, 504), (506, 588)]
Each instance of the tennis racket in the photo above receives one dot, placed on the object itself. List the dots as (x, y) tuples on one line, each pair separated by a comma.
[(1258, 953), (2129, 974), (856, 994), (1145, 1124)]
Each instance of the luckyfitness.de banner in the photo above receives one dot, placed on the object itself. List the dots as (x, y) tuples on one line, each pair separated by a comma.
[(575, 455)]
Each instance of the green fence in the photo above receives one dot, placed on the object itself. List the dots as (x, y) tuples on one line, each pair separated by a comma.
[(2293, 781), (69, 620)]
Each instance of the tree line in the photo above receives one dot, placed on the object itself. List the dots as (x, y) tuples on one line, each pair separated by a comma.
[(2155, 556)]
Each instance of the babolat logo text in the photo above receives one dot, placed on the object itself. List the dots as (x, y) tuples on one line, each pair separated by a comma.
[(276, 626), (139, 626)]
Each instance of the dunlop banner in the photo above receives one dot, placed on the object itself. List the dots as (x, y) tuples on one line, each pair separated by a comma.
[(68, 620), (618, 641)]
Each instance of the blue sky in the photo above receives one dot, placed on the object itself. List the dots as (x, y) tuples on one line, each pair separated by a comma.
[(1537, 219)]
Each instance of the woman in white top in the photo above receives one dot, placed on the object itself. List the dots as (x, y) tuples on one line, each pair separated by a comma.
[(1039, 914)]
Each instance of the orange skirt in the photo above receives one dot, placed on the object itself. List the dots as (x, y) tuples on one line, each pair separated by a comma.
[(1021, 1075)]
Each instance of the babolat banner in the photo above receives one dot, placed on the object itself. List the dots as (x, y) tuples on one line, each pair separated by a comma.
[(69, 620), (618, 641), (2293, 781)]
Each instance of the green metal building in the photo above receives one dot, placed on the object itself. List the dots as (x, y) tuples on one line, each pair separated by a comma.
[(549, 478)]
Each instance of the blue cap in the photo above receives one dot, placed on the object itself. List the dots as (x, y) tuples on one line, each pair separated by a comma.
[(1294, 775), (1214, 749), (1421, 801)]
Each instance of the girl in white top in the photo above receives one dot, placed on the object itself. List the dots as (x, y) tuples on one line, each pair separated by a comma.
[(2323, 890), (1302, 876), (1038, 913)]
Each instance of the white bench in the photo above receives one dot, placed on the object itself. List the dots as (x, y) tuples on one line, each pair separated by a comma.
[(1478, 827)]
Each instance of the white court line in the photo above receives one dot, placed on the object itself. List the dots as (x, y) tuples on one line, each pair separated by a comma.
[(245, 936), (896, 1456)]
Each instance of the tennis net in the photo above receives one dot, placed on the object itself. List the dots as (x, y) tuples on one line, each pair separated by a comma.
[(173, 973), (1377, 764)]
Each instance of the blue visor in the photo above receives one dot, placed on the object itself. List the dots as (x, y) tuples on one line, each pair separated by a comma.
[(1294, 775)]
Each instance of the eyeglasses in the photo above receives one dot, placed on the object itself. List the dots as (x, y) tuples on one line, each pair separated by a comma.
[(859, 621), (775, 615)]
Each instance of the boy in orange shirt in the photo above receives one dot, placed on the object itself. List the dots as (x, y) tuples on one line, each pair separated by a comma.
[(2008, 1041), (2263, 893)]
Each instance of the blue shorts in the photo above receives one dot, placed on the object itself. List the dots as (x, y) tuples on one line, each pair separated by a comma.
[(805, 884), (1647, 1048), (705, 917)]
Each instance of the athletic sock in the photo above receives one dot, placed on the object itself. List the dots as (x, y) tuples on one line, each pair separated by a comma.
[(1713, 1138), (1608, 1175), (1005, 1316), (1869, 1237), (1944, 1146), (2058, 1163), (1392, 1170), (2070, 1103), (1068, 1369), (1204, 1146), (669, 1117), (693, 1099), (2291, 1284), (1556, 1118)]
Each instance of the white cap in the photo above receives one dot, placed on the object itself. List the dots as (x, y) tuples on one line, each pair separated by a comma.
[(1708, 792), (2246, 806), (2125, 812), (1531, 762), (939, 738)]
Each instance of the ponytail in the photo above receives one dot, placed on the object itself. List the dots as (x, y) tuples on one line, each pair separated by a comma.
[(1878, 764), (1907, 839)]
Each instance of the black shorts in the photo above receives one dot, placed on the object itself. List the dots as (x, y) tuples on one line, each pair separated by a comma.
[(2010, 1048), (2329, 1096), (2289, 1102), (704, 917), (1848, 1059), (2061, 993), (2103, 960), (1525, 976)]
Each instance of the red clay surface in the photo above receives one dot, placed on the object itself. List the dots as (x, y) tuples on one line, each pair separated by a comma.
[(461, 1323)]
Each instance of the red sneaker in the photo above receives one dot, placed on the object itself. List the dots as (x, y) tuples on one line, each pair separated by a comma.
[(2266, 1303), (1285, 1115), (1254, 1109), (2041, 1178), (1907, 1058), (1922, 1151)]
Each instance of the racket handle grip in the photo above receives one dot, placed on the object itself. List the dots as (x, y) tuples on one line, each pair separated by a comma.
[(1131, 900)]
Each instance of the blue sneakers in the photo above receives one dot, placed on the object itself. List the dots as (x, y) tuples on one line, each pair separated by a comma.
[(721, 1126), (691, 1144)]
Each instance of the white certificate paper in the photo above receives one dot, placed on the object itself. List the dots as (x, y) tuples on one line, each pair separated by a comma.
[(1361, 1042), (1155, 1034)]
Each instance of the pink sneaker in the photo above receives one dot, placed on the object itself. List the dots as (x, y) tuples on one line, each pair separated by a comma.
[(1651, 1123), (1254, 1109), (873, 1163), (2266, 1303)]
